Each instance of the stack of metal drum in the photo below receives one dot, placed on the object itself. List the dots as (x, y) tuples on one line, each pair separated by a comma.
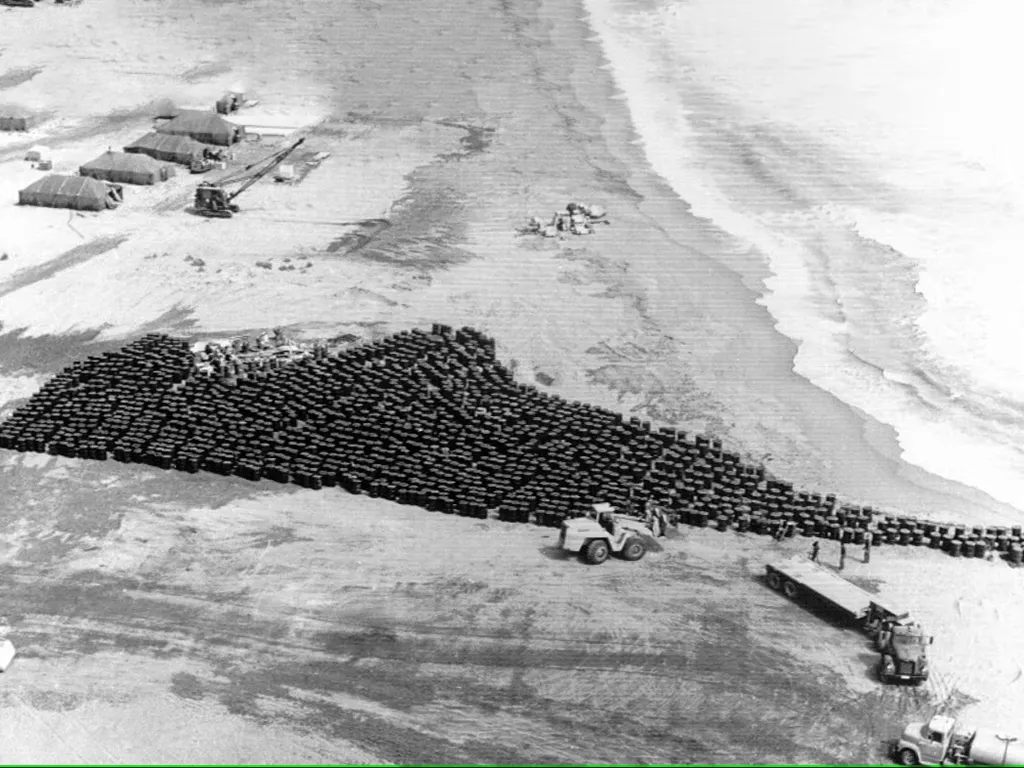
[(432, 419)]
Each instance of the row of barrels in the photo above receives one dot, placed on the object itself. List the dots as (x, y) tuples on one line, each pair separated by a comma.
[(956, 540), (428, 419)]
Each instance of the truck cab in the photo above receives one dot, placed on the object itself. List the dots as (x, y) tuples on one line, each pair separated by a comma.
[(927, 743), (943, 741), (902, 643), (904, 649)]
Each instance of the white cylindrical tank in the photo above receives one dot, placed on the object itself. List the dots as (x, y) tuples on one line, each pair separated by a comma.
[(987, 748)]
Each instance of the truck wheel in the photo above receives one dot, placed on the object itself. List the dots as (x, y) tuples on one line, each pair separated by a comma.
[(790, 589), (596, 552), (907, 757), (633, 549), (774, 581)]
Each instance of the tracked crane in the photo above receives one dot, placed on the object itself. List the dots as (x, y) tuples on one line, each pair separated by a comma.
[(212, 199)]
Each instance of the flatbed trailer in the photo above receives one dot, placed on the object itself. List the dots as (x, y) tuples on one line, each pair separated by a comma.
[(800, 577), (901, 643)]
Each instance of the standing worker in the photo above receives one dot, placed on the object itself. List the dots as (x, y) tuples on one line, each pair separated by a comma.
[(867, 547), (842, 556), (815, 547)]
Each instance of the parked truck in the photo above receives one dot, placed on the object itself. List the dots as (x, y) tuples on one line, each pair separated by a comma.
[(904, 649), (901, 642), (944, 741)]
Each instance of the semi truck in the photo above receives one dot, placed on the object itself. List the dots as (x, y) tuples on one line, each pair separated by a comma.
[(900, 641), (944, 741)]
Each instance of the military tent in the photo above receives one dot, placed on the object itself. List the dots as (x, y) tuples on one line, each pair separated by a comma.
[(165, 109), (173, 149), (207, 127), (15, 120), (77, 192), (126, 168)]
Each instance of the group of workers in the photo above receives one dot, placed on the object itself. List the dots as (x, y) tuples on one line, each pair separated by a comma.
[(816, 549)]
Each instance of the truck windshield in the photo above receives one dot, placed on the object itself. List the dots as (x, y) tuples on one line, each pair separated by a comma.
[(908, 641)]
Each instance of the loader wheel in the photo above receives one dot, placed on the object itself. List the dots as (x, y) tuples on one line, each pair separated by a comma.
[(774, 581), (596, 552), (790, 589), (907, 757), (633, 549)]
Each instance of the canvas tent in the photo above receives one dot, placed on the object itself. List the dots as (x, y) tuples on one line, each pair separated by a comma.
[(173, 149), (165, 109), (15, 119), (77, 192), (126, 168), (207, 127)]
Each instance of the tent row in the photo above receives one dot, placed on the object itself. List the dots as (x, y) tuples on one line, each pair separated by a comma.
[(183, 139), (98, 185)]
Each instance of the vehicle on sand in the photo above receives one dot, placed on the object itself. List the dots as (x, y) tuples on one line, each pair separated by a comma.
[(603, 533)]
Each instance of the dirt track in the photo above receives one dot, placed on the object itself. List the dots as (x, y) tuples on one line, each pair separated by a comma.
[(406, 635)]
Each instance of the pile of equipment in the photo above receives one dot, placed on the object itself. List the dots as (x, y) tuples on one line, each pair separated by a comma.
[(576, 219)]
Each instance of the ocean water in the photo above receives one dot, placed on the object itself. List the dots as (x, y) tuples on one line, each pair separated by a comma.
[(870, 152)]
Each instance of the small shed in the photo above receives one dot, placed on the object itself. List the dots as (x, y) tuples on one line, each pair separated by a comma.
[(171, 149), (76, 192), (126, 168), (207, 127), (38, 154)]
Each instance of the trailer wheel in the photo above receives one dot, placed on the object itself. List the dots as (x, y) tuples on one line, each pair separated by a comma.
[(907, 757), (790, 589), (774, 581)]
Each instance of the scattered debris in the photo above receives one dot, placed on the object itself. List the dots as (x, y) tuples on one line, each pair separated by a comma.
[(229, 358), (295, 172), (576, 219)]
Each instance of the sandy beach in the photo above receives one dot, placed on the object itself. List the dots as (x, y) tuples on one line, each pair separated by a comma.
[(454, 124)]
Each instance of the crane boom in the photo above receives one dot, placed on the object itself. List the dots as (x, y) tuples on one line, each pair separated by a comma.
[(211, 198), (271, 162)]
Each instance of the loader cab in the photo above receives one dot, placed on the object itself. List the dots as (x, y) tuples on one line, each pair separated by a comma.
[(604, 514)]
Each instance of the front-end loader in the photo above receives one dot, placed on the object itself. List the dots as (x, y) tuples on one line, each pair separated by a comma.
[(602, 533)]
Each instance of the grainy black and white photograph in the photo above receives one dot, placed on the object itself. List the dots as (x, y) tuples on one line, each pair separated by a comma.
[(511, 382)]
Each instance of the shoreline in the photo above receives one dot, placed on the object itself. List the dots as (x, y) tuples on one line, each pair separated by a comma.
[(371, 630), (672, 286), (846, 451)]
